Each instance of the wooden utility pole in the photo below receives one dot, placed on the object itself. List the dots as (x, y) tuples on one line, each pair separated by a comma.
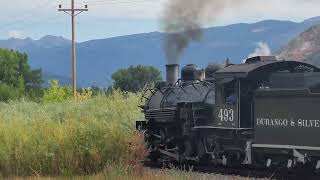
[(73, 13)]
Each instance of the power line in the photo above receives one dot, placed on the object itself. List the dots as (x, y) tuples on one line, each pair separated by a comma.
[(29, 12), (37, 9), (23, 19), (102, 2), (90, 2), (123, 2), (30, 23)]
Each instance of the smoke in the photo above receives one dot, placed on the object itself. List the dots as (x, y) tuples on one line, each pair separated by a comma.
[(182, 21), (262, 49)]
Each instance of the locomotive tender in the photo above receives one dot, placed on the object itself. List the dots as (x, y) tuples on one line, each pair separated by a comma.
[(264, 112)]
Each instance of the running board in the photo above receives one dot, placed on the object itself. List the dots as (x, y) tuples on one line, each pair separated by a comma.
[(275, 146)]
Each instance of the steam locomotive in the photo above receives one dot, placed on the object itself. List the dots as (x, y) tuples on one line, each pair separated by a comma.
[(263, 112)]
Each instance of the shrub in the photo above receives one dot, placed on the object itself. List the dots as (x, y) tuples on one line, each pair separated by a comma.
[(55, 93), (8, 93)]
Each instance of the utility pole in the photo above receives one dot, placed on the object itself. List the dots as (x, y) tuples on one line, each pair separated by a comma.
[(73, 13)]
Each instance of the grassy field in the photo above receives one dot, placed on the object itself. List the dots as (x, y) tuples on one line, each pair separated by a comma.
[(68, 138)]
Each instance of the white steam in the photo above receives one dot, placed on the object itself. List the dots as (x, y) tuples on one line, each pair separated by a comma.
[(262, 49)]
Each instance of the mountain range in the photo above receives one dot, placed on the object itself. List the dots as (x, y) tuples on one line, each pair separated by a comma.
[(305, 47), (98, 59)]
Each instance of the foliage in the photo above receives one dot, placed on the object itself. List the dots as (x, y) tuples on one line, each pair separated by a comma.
[(16, 72), (135, 78), (67, 138), (8, 92), (55, 93)]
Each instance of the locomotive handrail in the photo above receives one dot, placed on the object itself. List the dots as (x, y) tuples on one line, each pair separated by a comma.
[(145, 92), (194, 86), (209, 90), (274, 90), (144, 97), (183, 89)]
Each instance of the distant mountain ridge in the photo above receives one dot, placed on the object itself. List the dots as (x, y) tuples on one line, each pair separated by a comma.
[(98, 59), (305, 47), (47, 41)]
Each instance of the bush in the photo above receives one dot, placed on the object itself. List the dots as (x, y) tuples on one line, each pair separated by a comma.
[(67, 138), (8, 93), (55, 93)]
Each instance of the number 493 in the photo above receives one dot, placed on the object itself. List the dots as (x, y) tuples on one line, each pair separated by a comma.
[(226, 115)]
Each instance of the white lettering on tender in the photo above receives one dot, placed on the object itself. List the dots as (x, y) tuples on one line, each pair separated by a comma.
[(308, 123), (272, 122), (278, 122)]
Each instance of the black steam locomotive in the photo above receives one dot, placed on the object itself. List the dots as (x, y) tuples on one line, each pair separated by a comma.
[(264, 112)]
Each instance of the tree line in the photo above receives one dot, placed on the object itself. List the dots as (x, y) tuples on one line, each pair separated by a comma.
[(19, 80)]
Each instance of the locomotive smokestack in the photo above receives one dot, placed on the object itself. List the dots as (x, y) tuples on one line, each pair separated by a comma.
[(172, 73)]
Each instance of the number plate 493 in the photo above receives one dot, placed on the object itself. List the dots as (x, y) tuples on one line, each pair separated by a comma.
[(226, 115)]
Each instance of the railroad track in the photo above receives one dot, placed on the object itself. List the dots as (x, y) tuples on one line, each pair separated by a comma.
[(283, 174)]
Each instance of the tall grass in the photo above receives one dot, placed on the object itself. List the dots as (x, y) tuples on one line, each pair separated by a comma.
[(67, 138)]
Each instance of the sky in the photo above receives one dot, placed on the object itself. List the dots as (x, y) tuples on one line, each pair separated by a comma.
[(110, 18)]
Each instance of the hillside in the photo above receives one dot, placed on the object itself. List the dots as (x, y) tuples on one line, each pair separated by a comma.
[(306, 47), (98, 59)]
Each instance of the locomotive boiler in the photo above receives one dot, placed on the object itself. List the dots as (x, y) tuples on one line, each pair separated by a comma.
[(264, 112)]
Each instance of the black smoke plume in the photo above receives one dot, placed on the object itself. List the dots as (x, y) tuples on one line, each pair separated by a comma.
[(182, 21)]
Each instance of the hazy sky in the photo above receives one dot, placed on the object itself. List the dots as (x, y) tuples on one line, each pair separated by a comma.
[(108, 18)]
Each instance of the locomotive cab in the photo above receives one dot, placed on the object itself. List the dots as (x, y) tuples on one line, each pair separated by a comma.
[(227, 103), (233, 104)]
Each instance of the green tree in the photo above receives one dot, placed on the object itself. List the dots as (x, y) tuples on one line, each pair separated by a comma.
[(135, 78), (16, 73)]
